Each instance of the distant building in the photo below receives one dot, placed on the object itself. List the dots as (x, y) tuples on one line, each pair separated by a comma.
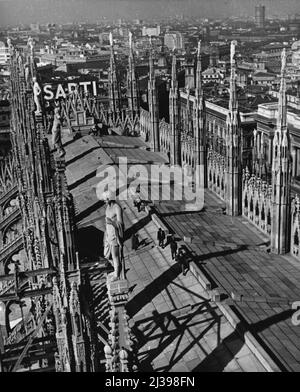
[(263, 78), (151, 31), (242, 78), (174, 40), (260, 15), (123, 31), (293, 74), (212, 74), (103, 38), (35, 27), (266, 118), (270, 55), (294, 26), (70, 54), (4, 54), (296, 54)]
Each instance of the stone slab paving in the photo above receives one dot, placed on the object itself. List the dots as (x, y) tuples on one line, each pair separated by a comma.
[(80, 169), (135, 155), (81, 147), (234, 254), (120, 141), (176, 327)]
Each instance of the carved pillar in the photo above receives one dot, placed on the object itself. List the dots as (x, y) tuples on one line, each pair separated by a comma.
[(200, 137), (234, 148), (153, 107), (174, 114), (119, 349), (281, 174), (132, 91), (294, 161), (77, 329)]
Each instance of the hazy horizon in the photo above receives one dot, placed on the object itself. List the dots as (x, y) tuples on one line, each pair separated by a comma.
[(64, 11)]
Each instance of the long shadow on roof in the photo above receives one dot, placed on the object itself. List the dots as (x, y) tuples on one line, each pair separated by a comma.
[(152, 290)]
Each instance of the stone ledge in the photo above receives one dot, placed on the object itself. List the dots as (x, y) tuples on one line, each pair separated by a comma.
[(230, 316), (205, 283), (157, 221), (255, 347), (241, 297), (260, 353)]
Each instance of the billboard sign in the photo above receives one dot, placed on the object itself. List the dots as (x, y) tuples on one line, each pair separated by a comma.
[(53, 91)]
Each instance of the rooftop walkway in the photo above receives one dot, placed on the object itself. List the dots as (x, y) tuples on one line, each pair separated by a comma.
[(234, 256), (175, 324)]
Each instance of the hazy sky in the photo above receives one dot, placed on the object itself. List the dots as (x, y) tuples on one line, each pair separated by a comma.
[(59, 11)]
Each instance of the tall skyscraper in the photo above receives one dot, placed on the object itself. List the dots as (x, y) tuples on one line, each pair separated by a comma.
[(260, 14)]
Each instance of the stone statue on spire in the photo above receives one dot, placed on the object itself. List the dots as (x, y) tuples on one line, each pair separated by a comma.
[(283, 60), (9, 44), (174, 44), (199, 48), (30, 44), (36, 95), (130, 39), (114, 235), (232, 52), (56, 133)]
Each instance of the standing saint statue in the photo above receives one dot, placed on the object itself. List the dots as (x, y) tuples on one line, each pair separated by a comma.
[(56, 133), (9, 44), (114, 235), (26, 72), (283, 60), (30, 44), (36, 93)]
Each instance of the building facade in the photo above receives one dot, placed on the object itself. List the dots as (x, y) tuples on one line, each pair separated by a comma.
[(174, 40), (4, 54)]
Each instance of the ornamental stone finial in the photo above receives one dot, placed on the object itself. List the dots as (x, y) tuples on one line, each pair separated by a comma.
[(199, 48), (9, 44), (130, 39), (30, 43), (232, 52), (111, 39)]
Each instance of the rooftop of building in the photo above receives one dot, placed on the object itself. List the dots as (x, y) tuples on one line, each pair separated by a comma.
[(273, 106), (274, 45), (261, 74), (246, 103)]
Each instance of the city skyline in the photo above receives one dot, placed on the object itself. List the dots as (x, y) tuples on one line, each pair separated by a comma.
[(42, 11)]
